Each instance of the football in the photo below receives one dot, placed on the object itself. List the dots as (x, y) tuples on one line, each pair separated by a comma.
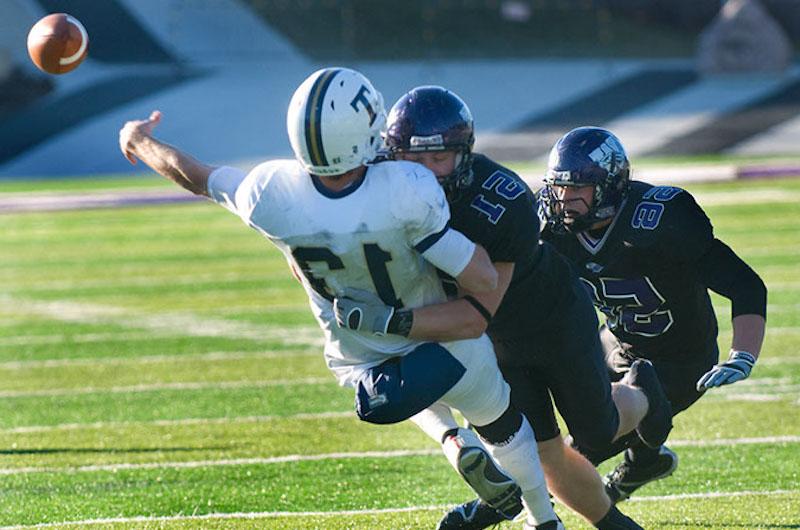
[(58, 43)]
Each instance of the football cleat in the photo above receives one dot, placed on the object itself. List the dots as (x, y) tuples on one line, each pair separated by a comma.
[(657, 423), (492, 485), (627, 478), (473, 515)]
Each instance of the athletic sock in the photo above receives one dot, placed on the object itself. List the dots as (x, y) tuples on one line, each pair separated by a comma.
[(616, 520), (456, 439), (642, 456), (520, 458)]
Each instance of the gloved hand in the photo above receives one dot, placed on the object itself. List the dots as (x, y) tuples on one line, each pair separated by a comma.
[(736, 368), (362, 311)]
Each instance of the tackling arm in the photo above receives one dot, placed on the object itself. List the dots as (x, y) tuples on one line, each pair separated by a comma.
[(459, 319), (454, 320), (136, 141)]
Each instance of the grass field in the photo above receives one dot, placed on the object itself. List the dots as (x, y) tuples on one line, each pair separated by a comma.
[(159, 368)]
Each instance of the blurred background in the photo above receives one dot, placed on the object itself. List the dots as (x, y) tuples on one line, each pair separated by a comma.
[(687, 78)]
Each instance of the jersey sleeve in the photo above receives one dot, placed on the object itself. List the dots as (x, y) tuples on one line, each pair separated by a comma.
[(223, 184), (685, 231), (450, 253), (422, 206), (245, 194), (518, 227), (727, 274)]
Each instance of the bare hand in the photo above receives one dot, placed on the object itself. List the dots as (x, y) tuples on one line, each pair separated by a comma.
[(134, 132)]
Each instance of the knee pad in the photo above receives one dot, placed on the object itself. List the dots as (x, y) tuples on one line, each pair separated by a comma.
[(503, 428), (403, 386), (598, 439), (600, 454)]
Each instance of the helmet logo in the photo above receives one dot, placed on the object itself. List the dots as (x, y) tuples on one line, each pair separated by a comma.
[(435, 140), (559, 177), (361, 97), (607, 154)]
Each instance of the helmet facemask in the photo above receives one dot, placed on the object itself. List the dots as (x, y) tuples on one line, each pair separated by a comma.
[(462, 174), (432, 118), (587, 156)]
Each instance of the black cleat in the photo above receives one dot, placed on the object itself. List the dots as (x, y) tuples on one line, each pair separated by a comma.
[(496, 488), (656, 425), (473, 515), (627, 478)]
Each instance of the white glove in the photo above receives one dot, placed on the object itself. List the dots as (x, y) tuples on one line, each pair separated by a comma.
[(736, 368), (362, 311)]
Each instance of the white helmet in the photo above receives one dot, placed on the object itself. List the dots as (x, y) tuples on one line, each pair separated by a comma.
[(335, 121)]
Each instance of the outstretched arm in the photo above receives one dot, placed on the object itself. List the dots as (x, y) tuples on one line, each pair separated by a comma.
[(137, 142), (725, 273)]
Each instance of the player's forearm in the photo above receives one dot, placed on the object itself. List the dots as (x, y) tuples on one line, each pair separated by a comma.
[(464, 318), (174, 164), (748, 333), (480, 275), (455, 320)]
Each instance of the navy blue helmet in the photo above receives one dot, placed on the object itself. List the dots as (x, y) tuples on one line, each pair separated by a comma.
[(586, 156), (432, 118)]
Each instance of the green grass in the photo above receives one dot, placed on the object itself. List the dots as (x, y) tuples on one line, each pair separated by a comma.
[(139, 340)]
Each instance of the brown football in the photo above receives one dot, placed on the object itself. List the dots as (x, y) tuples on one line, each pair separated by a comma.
[(58, 43)]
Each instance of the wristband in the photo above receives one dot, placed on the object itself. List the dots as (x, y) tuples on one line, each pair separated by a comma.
[(400, 323), (741, 355)]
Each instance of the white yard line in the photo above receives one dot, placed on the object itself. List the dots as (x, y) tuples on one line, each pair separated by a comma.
[(166, 386), (778, 361), (778, 390), (711, 495), (722, 442), (184, 421), (82, 338), (745, 196), (177, 324), (783, 330), (338, 456), (770, 387), (156, 359), (724, 309), (758, 389), (222, 463), (124, 282), (350, 513), (235, 515)]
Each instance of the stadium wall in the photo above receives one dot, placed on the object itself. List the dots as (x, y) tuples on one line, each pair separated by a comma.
[(223, 79)]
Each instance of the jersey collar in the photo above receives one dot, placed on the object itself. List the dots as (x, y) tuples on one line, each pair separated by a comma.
[(592, 245), (327, 192)]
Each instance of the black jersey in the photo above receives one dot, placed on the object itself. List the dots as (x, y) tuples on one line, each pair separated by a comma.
[(498, 211), (642, 272)]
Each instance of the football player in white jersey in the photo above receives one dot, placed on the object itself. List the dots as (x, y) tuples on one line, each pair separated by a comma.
[(347, 223)]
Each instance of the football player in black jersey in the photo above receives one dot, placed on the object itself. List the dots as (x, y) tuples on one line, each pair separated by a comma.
[(540, 319), (648, 256)]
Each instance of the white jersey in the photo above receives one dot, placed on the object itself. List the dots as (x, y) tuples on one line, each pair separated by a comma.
[(382, 234)]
